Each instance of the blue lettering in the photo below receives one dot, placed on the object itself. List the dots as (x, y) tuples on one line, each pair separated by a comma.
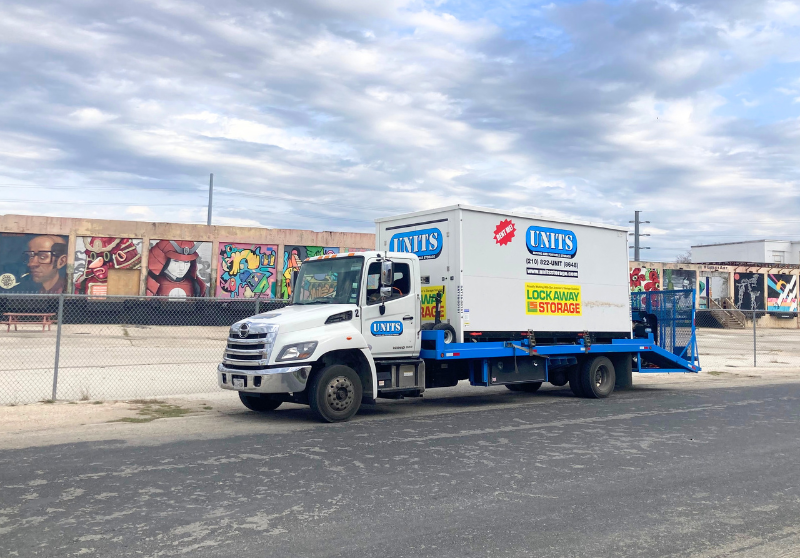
[(552, 242), (427, 243), (386, 328)]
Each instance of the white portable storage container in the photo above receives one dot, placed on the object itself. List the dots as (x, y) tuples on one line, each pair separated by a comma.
[(506, 273)]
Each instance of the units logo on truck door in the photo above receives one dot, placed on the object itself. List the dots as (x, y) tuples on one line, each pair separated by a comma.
[(555, 243), (380, 329), (426, 243), (552, 300)]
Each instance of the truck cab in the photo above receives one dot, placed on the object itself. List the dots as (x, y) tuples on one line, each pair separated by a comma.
[(352, 330)]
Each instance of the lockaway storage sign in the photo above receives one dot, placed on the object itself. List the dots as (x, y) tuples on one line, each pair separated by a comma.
[(552, 300)]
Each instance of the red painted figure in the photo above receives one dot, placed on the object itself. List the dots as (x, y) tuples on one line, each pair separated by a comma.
[(172, 270), (104, 253)]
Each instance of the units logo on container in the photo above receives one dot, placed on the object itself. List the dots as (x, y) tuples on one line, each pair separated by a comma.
[(426, 243), (380, 329), (552, 300), (556, 243)]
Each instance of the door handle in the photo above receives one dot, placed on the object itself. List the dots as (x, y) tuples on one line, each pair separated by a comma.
[(408, 317)]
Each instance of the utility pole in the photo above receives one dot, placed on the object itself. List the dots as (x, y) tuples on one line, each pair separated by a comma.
[(636, 235), (211, 197)]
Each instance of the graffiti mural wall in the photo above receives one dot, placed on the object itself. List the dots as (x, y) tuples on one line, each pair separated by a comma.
[(293, 257), (246, 270), (781, 293), (33, 263), (748, 291), (679, 279), (645, 279), (100, 260), (178, 268)]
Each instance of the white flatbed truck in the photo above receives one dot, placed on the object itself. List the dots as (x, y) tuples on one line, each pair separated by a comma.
[(460, 293)]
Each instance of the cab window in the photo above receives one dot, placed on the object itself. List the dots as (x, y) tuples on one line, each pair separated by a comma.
[(400, 288)]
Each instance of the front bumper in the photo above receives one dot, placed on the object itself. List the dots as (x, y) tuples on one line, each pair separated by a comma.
[(291, 379)]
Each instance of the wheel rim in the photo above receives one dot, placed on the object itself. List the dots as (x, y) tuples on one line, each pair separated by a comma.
[(448, 336), (601, 376), (340, 393)]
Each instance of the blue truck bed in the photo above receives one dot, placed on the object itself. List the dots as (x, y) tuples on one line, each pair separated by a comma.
[(670, 345)]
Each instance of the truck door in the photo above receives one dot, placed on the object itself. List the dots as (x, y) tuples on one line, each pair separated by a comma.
[(393, 334)]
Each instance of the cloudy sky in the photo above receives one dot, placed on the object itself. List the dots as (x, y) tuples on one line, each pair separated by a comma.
[(326, 114)]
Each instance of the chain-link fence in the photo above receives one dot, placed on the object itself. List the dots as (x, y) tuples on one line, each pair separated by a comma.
[(732, 338), (77, 347)]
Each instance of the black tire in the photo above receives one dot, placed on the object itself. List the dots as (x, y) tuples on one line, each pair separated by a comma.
[(258, 402), (334, 393), (574, 379), (427, 326), (528, 387), (559, 378), (597, 377), (449, 332)]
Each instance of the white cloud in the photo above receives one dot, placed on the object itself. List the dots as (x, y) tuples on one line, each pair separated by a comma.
[(90, 116), (360, 109)]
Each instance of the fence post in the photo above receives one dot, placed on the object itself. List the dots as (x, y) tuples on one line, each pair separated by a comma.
[(58, 343), (258, 304), (754, 337)]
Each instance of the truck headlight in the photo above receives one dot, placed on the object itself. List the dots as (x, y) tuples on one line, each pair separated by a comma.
[(297, 351)]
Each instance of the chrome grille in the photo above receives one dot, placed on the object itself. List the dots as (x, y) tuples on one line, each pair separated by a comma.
[(251, 351)]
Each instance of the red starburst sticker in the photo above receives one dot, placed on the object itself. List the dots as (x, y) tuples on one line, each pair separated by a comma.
[(504, 232)]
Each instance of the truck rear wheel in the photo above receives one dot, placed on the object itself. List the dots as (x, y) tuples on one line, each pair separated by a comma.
[(449, 332), (334, 394), (597, 377), (529, 387), (259, 403), (574, 378)]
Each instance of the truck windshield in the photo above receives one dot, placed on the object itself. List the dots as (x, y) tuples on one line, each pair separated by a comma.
[(331, 281)]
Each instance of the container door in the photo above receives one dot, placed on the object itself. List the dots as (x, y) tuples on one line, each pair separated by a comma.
[(392, 334)]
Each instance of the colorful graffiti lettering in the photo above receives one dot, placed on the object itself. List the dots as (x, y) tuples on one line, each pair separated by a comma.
[(645, 279), (293, 257), (246, 270), (782, 293)]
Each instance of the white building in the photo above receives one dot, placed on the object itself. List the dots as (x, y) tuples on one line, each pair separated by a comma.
[(752, 251)]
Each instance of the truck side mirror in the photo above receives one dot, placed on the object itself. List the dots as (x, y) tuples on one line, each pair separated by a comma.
[(293, 278), (387, 274)]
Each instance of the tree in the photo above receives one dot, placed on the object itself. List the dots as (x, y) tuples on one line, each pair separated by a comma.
[(685, 257)]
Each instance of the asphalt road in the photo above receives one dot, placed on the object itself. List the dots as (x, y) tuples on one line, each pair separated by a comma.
[(650, 472)]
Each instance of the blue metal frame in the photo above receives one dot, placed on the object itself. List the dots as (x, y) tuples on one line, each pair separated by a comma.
[(671, 309), (479, 353), (675, 313)]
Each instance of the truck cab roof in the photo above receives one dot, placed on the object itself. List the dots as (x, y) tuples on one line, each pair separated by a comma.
[(367, 254)]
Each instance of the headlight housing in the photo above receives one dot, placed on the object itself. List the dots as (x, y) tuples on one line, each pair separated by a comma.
[(297, 351)]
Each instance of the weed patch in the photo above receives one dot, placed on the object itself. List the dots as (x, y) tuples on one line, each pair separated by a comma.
[(154, 410)]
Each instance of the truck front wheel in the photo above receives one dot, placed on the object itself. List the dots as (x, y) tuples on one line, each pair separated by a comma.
[(334, 394), (258, 403), (597, 377)]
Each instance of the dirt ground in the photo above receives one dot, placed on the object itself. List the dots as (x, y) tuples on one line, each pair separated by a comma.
[(220, 414)]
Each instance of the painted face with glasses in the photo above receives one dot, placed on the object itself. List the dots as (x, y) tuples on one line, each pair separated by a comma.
[(46, 256)]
